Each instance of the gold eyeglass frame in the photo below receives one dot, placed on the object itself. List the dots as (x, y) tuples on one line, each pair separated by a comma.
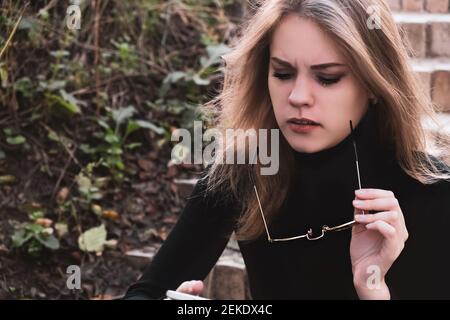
[(309, 235)]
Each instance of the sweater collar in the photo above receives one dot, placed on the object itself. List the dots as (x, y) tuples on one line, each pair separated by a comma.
[(337, 165), (366, 140)]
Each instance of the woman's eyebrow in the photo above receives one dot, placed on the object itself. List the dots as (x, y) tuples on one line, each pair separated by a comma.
[(282, 62), (313, 67), (326, 65)]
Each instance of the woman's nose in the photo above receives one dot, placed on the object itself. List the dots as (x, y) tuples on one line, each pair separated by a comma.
[(301, 94)]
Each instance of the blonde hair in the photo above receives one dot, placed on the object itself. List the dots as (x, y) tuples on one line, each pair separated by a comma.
[(378, 58)]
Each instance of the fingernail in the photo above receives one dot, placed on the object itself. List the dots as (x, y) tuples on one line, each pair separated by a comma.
[(358, 202), (360, 191), (360, 217)]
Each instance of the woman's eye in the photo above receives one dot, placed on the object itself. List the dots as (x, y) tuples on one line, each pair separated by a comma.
[(282, 76), (326, 81)]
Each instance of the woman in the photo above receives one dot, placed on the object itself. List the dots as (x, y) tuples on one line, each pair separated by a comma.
[(319, 60)]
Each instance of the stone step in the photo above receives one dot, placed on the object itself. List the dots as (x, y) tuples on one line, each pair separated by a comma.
[(414, 17), (443, 126), (185, 186), (227, 280), (431, 65), (140, 258), (427, 33)]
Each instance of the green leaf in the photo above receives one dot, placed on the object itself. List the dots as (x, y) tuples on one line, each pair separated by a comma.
[(2, 154), (28, 23), (115, 161), (52, 135), (103, 124), (200, 81), (43, 14), (20, 237), (111, 138), (49, 241), (152, 105), (174, 77), (34, 228), (115, 150), (93, 240), (214, 55), (151, 126), (70, 98), (132, 126), (55, 85), (36, 215), (133, 145), (122, 114), (86, 148), (16, 140), (55, 100), (84, 184)]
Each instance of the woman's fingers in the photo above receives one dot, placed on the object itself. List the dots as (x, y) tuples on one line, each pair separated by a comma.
[(384, 201), (387, 230), (365, 200), (387, 220), (394, 245), (194, 287), (391, 217), (378, 204), (373, 193)]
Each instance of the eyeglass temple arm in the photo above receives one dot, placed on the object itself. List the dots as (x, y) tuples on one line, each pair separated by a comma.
[(262, 213), (356, 157), (257, 195)]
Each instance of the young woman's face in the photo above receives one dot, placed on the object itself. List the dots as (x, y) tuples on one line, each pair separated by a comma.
[(309, 78)]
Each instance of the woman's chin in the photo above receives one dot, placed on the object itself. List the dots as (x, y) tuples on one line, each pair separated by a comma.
[(305, 148)]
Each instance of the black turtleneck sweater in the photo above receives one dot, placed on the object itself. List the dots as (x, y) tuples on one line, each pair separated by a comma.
[(321, 194)]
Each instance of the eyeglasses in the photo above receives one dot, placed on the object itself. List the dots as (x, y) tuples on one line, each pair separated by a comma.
[(309, 235)]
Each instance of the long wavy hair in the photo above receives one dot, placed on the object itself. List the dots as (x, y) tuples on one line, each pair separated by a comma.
[(378, 58)]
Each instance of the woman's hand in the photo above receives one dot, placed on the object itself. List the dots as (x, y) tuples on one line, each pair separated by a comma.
[(377, 241), (194, 287)]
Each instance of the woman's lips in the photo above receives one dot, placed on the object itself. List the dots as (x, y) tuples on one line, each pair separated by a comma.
[(303, 128)]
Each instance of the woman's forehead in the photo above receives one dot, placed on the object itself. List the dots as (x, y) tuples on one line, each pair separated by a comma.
[(301, 41)]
